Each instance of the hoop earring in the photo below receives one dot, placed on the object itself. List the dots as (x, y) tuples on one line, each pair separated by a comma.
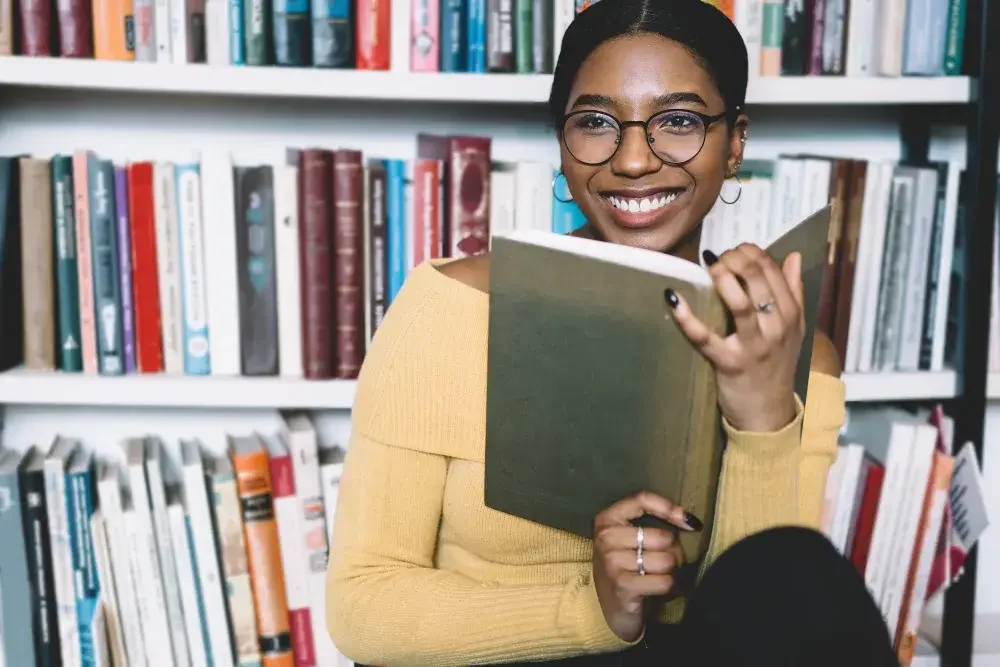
[(555, 192), (738, 192)]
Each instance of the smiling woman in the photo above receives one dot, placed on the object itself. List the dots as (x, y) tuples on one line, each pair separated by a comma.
[(647, 105)]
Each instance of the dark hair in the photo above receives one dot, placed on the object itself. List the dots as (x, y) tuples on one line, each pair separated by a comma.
[(702, 29)]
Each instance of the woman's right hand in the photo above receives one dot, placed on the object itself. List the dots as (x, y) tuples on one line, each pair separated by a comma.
[(621, 584)]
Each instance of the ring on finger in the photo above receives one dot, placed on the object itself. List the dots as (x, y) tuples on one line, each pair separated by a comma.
[(639, 539), (765, 307)]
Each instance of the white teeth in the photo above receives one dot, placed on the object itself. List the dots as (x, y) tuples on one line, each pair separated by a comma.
[(644, 205)]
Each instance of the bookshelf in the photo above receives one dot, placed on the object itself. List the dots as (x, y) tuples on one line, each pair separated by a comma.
[(152, 111)]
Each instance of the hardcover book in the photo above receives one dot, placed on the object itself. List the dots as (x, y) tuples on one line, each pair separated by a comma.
[(593, 393)]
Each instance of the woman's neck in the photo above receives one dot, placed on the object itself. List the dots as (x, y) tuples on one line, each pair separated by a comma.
[(686, 249)]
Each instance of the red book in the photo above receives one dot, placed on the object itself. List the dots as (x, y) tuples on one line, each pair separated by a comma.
[(75, 31), (349, 266), (34, 21), (427, 214), (866, 517), (145, 275), (315, 269), (373, 34)]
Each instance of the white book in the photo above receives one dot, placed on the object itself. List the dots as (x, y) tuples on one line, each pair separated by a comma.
[(853, 457), (944, 267), (177, 518), (891, 37), (110, 499), (286, 257), (896, 463), (915, 288), (157, 630), (918, 472), (502, 197), (108, 602), (862, 29), (873, 275), (162, 29), (205, 549), (221, 285), (178, 32), (217, 32), (749, 20), (99, 631), (862, 266), (300, 437), (54, 472), (565, 12), (168, 265), (191, 240), (330, 470), (533, 196), (165, 548)]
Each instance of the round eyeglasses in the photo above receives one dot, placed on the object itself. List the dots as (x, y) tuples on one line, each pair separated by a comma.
[(675, 136)]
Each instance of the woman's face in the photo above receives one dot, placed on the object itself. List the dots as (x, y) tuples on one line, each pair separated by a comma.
[(632, 79)]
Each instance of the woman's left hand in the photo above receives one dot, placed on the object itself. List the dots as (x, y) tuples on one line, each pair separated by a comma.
[(755, 365)]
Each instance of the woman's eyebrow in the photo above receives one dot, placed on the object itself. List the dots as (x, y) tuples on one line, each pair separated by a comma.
[(671, 99), (593, 100)]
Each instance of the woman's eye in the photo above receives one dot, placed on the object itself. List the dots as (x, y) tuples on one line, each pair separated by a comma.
[(594, 122), (675, 123)]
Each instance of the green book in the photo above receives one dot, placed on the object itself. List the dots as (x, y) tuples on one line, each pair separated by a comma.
[(593, 392), (524, 37), (67, 290)]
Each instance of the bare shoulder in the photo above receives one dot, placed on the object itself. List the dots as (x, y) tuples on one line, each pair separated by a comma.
[(824, 356), (472, 271)]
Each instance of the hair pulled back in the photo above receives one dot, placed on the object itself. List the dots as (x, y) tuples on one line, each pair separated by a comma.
[(702, 29)]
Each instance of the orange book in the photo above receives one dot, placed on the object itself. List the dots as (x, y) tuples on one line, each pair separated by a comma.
[(114, 37), (251, 464), (85, 273)]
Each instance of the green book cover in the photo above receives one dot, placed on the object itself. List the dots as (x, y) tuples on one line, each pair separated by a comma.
[(524, 37), (67, 281), (593, 393)]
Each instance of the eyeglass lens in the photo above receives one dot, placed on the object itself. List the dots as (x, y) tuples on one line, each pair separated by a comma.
[(675, 136)]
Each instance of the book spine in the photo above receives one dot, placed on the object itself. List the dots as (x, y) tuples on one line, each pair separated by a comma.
[(933, 277), (255, 33), (114, 36), (954, 38), (453, 34), (288, 515), (332, 33), (378, 265), (348, 242), (197, 356), (542, 17), (237, 40), (467, 230), (80, 503), (290, 27), (373, 27), (44, 607), (315, 258), (253, 481), (817, 15), (161, 28), (167, 258), (795, 38), (287, 245), (396, 227), (56, 504), (74, 29), (232, 548), (255, 256), (187, 584), (145, 32), (772, 36), (500, 35), (523, 33), (197, 51), (17, 644), (7, 27), (145, 274), (475, 41), (179, 35), (104, 246), (425, 47), (37, 270), (35, 28), (125, 269)]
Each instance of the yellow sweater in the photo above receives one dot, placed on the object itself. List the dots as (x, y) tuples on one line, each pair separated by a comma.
[(422, 573)]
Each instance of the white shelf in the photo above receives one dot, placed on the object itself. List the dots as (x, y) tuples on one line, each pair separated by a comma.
[(923, 385), (19, 387), (278, 82)]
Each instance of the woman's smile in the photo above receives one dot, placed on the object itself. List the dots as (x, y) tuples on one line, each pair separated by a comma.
[(643, 208)]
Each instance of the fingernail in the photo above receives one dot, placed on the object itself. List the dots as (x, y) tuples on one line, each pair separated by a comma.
[(693, 521), (709, 257), (671, 297)]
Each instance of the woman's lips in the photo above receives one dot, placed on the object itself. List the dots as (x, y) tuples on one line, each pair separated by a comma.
[(636, 212)]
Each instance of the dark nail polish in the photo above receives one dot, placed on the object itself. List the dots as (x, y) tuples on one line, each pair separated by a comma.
[(709, 257), (671, 297), (693, 521)]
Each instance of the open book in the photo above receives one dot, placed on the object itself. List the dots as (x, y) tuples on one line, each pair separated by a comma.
[(593, 392)]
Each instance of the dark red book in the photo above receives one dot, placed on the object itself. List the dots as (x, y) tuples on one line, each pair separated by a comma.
[(34, 27), (315, 263), (866, 517), (349, 266), (145, 274)]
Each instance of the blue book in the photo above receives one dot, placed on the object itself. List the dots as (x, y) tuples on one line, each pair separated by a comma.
[(476, 37), (453, 35), (194, 306), (396, 201), (332, 33), (237, 45), (79, 509), (566, 215), (197, 592)]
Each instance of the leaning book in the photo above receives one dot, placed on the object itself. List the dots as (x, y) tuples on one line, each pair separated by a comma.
[(593, 392)]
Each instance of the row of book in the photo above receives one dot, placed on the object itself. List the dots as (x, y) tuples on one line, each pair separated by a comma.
[(892, 298), (904, 510), (199, 267), (216, 561)]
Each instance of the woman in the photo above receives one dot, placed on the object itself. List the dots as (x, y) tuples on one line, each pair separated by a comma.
[(421, 571)]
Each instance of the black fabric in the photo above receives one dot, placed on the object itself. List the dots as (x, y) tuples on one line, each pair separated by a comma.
[(780, 598)]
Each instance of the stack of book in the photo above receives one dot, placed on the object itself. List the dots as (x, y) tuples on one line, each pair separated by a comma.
[(217, 561)]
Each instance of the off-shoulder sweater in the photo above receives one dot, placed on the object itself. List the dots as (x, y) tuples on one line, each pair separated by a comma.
[(422, 573)]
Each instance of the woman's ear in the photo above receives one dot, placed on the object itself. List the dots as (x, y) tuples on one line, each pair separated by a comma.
[(737, 143)]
